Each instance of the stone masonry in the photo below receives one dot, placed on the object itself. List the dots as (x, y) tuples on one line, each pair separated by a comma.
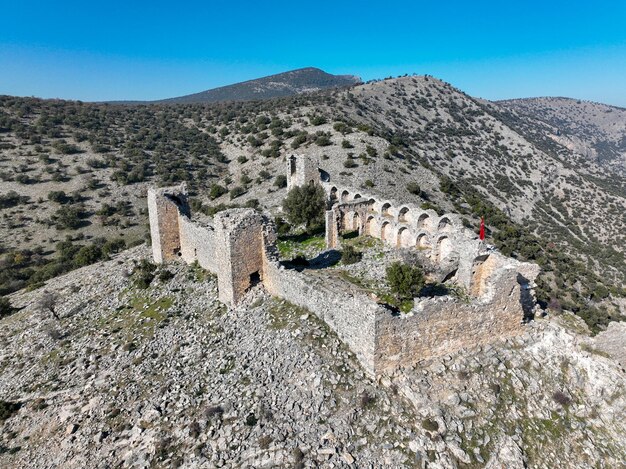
[(239, 246)]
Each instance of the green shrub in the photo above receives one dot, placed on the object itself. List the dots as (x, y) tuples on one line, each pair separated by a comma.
[(404, 280), (280, 181), (217, 191), (60, 197), (349, 255), (413, 188), (87, 255), (11, 199), (323, 140), (237, 192), (305, 205), (143, 273), (7, 409), (282, 227), (6, 308), (430, 425), (317, 120), (68, 218), (165, 275)]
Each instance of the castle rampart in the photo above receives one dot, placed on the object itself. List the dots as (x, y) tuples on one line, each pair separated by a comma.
[(239, 246)]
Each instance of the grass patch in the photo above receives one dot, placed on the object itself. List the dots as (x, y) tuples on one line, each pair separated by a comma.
[(283, 315), (291, 246), (141, 317), (198, 274), (594, 351)]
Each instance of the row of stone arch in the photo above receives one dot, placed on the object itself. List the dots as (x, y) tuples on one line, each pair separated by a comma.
[(412, 216), (399, 235)]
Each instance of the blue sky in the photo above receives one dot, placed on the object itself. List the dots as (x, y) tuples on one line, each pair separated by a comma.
[(149, 50)]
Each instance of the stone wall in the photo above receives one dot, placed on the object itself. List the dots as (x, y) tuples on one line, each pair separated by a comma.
[(302, 170), (350, 313), (439, 326), (232, 247), (197, 243), (240, 264)]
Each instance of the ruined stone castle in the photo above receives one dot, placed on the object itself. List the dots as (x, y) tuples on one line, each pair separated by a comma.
[(239, 246)]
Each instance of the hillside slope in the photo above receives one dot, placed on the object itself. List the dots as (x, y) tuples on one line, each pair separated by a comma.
[(541, 201), (166, 376), (594, 130)]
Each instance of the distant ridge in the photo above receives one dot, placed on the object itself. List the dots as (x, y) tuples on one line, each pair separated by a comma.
[(283, 84)]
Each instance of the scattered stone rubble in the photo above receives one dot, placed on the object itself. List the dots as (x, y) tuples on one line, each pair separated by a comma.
[(168, 376)]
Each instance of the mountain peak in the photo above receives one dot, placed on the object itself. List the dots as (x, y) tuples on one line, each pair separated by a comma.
[(288, 83)]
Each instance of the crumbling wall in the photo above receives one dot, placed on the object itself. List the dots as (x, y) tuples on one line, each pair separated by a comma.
[(302, 170), (440, 326), (240, 247), (233, 247), (164, 207)]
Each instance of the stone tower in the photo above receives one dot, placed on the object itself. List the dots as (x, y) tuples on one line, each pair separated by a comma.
[(165, 205), (240, 254), (302, 170)]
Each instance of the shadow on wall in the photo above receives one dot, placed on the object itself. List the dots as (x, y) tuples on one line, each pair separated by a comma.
[(526, 298)]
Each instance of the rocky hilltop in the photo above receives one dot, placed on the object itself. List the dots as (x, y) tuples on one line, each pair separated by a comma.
[(166, 376)]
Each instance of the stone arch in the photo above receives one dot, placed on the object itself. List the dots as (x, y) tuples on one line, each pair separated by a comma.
[(356, 196), (356, 222), (345, 196), (444, 247), (403, 238), (371, 205), (333, 194), (424, 221), (385, 231), (343, 220), (444, 225), (423, 241), (404, 215), (384, 210), (371, 226)]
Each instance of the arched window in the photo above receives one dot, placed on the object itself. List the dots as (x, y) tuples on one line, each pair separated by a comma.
[(403, 216), (403, 239), (444, 224), (385, 210), (422, 241), (385, 231), (444, 248), (423, 221)]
